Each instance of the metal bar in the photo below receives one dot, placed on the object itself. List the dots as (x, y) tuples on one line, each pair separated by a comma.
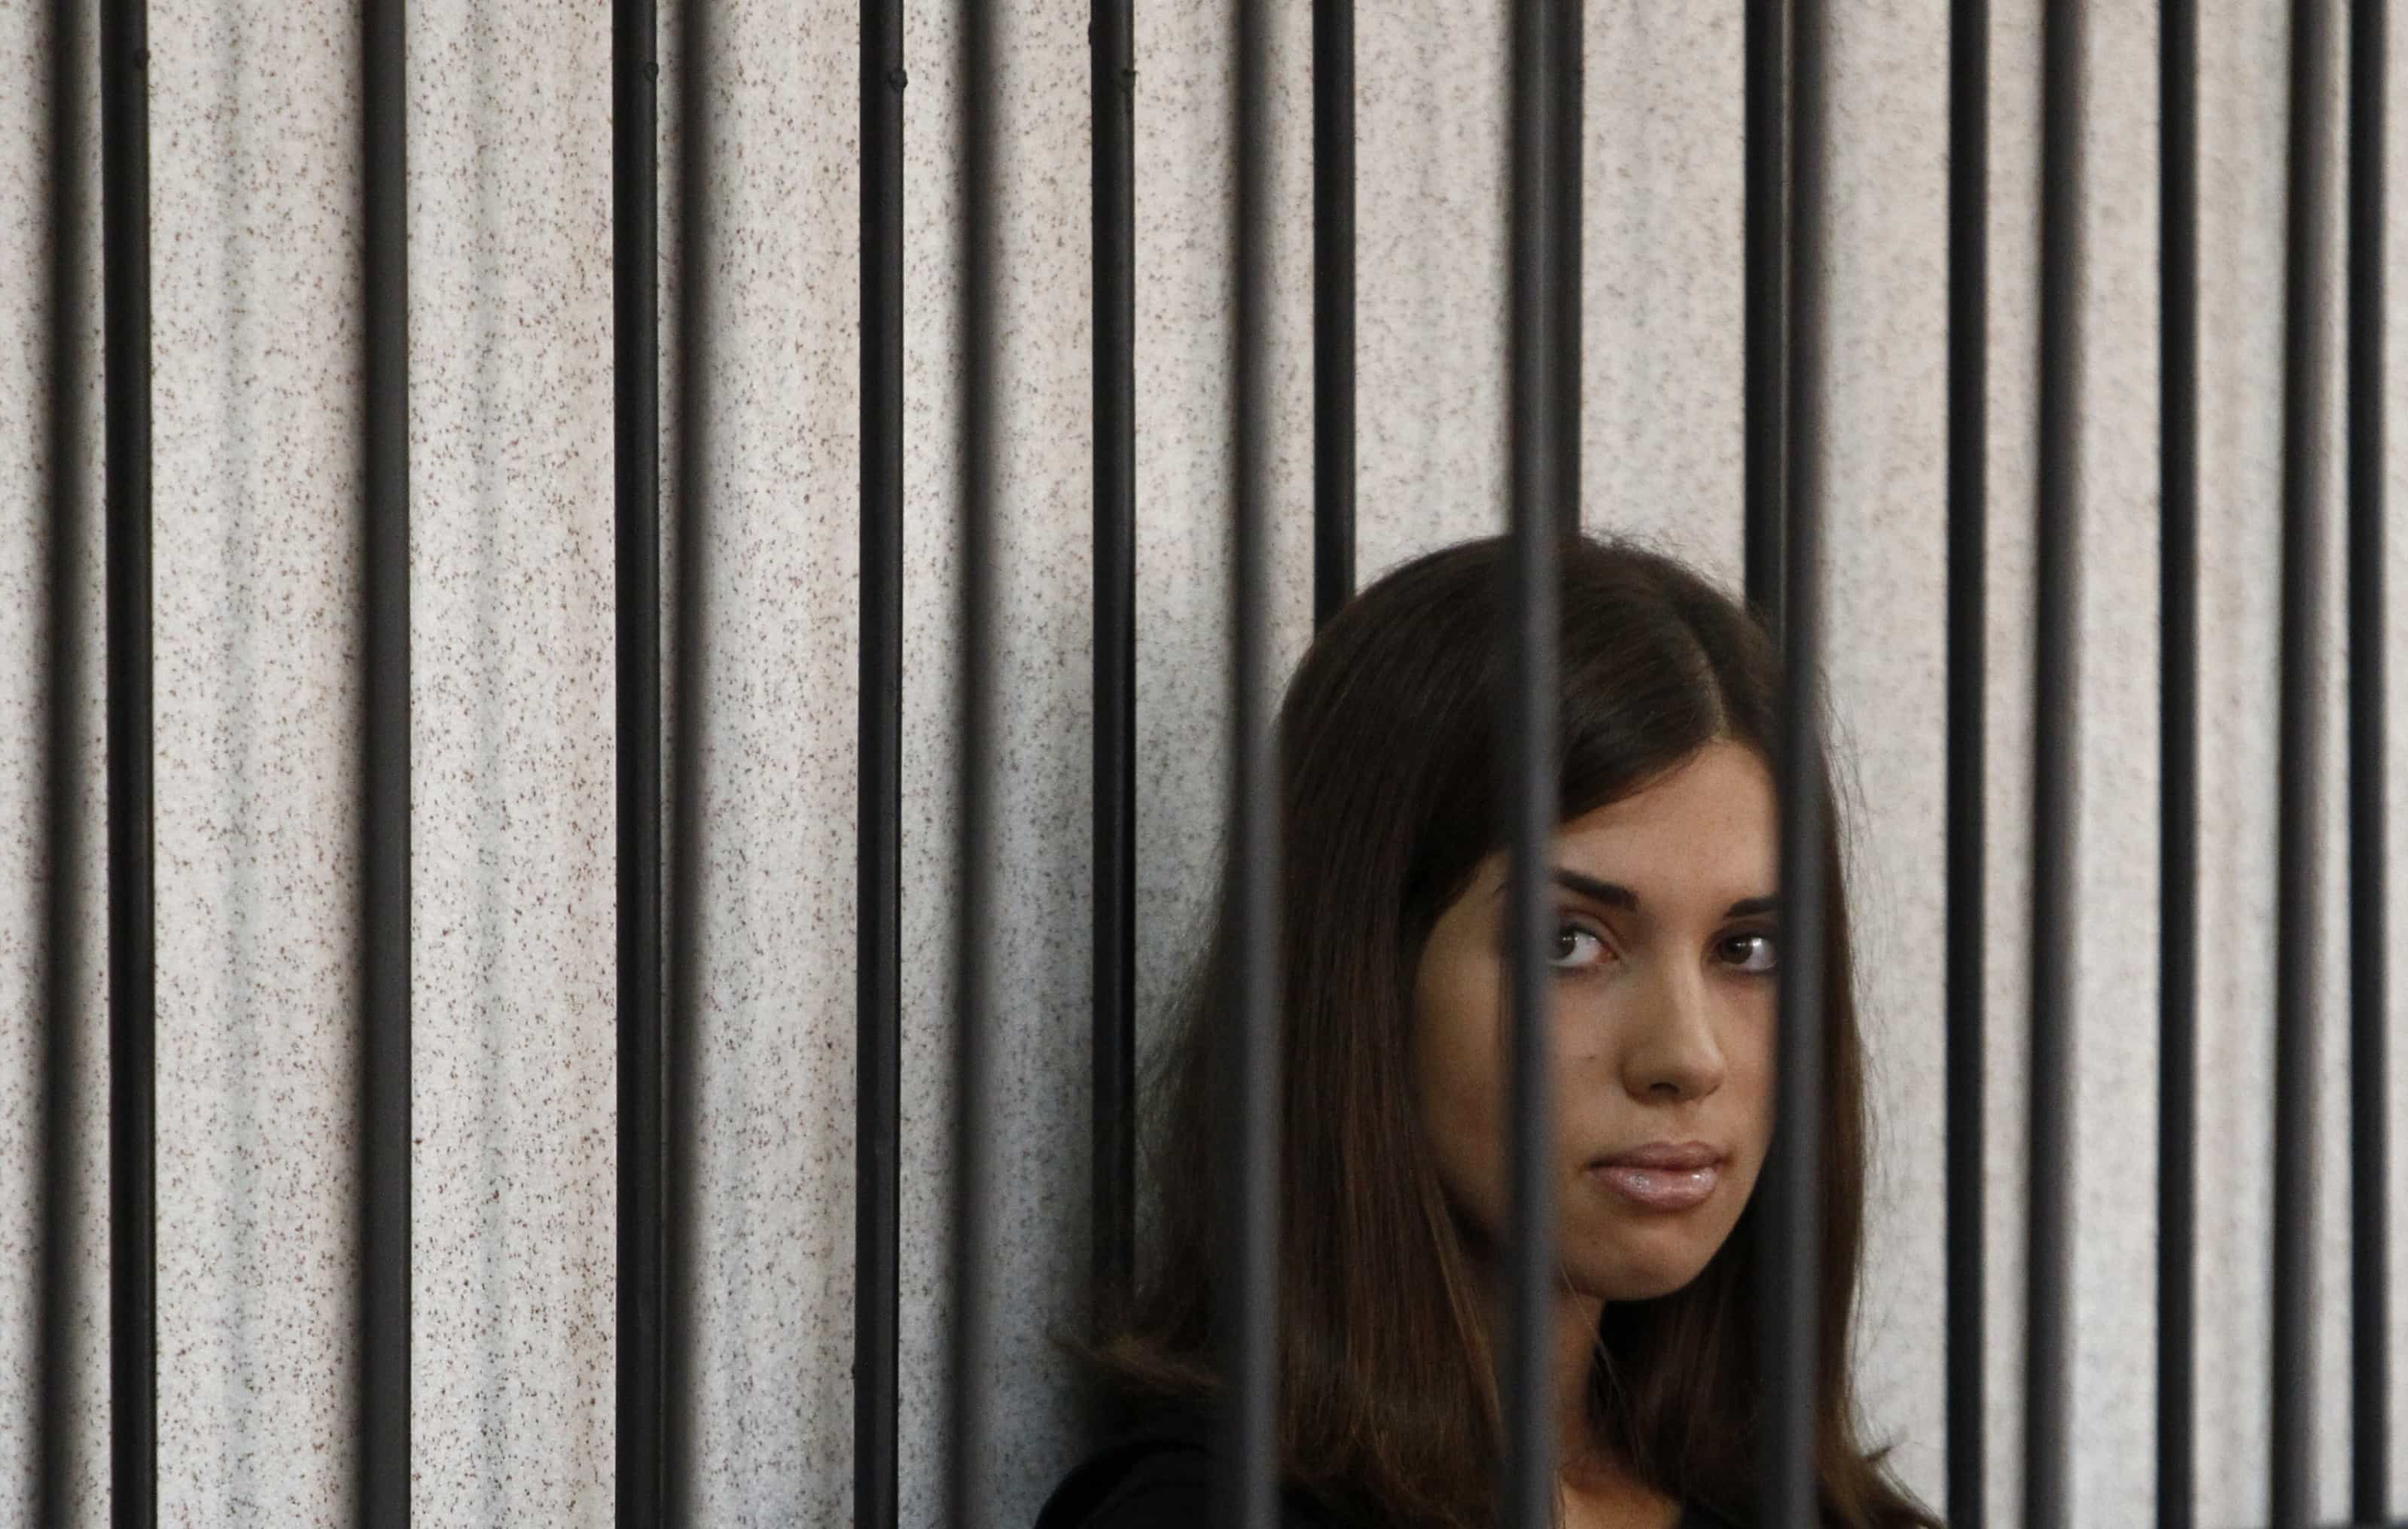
[(1247, 1487), (2291, 1485), (1765, 363), (1969, 207), (62, 667), (2178, 752), (686, 847), (976, 1042), (1791, 1277), (1567, 66), (1115, 1105), (2047, 1347), (1333, 305), (384, 766), (1527, 766), (634, 291), (2369, 1062), (133, 955), (879, 972)]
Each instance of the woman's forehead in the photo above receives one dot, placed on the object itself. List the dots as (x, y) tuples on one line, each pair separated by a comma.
[(1708, 826)]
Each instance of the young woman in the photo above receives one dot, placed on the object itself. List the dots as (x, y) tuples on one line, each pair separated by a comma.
[(1394, 1133)]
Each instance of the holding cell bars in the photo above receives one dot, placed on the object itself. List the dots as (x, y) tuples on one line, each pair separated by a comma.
[(60, 1206), (2369, 931), (1969, 205), (1113, 107), (1784, 391), (133, 953), (2178, 765), (384, 767), (1793, 1266)]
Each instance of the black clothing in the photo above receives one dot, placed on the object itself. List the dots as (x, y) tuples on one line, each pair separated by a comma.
[(1158, 1474)]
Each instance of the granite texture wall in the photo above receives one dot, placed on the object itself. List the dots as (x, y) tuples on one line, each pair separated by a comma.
[(256, 386)]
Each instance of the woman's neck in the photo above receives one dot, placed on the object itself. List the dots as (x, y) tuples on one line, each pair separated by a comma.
[(1598, 1486)]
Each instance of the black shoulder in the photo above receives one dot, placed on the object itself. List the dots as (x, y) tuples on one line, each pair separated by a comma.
[(1158, 1474)]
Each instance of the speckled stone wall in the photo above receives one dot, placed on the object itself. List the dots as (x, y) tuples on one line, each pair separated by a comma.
[(255, 250)]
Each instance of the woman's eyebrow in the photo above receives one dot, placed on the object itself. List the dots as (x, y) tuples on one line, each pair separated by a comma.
[(1614, 894)]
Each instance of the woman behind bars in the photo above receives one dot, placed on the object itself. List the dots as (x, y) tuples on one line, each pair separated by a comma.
[(1394, 1130)]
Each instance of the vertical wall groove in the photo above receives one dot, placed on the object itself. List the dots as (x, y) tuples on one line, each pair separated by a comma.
[(2290, 1487), (2177, 1288), (878, 979), (1113, 187), (1793, 1223), (1968, 932), (133, 1004), (635, 289), (1764, 383), (1565, 212), (2048, 1349), (977, 1043), (384, 773), (686, 838), (2369, 1071), (1333, 305)]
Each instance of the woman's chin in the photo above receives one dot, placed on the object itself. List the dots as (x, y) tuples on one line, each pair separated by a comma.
[(1634, 1280)]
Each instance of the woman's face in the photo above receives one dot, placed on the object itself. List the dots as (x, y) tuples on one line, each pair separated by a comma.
[(1663, 1009)]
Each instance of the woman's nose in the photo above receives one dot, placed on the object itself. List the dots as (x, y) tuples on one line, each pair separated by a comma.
[(1672, 1051)]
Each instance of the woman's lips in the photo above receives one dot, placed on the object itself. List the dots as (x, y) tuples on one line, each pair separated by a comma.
[(1662, 1176)]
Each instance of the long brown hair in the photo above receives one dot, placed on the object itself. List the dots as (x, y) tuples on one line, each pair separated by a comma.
[(1388, 802)]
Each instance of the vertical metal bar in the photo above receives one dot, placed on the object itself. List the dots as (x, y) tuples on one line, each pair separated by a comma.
[(1333, 305), (2291, 1488), (879, 972), (635, 289), (384, 767), (1567, 66), (2369, 912), (1115, 1105), (1765, 366), (686, 847), (2047, 1347), (1247, 1489), (133, 955), (1969, 210), (1528, 768), (976, 1041), (63, 661), (2178, 752), (1793, 1256)]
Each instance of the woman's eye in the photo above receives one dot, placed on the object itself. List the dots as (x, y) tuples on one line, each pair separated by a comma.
[(1753, 952), (1576, 947)]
